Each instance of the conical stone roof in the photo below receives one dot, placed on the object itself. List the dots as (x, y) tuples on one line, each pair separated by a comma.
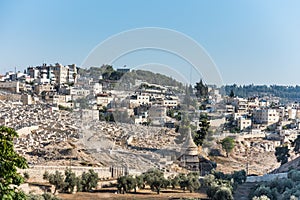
[(190, 146)]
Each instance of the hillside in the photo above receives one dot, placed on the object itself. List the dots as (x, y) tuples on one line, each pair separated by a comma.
[(293, 164), (287, 93), (108, 73), (251, 151)]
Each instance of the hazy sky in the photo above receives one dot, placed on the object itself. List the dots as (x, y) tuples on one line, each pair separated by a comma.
[(249, 41)]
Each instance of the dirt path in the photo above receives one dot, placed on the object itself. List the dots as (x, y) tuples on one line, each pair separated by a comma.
[(142, 194)]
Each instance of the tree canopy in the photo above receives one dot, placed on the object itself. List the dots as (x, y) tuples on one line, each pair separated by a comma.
[(282, 154), (227, 144), (10, 160), (291, 93), (89, 180), (155, 179), (56, 179), (201, 89), (296, 144), (67, 182), (204, 125)]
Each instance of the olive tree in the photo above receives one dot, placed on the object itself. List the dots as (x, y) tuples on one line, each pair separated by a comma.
[(227, 144), (126, 183), (70, 181), (56, 179), (155, 179), (89, 180), (282, 154)]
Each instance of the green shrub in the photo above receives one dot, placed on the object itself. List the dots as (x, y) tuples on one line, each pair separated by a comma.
[(208, 180), (263, 197), (281, 185), (263, 190), (294, 175), (239, 176), (212, 190), (223, 193)]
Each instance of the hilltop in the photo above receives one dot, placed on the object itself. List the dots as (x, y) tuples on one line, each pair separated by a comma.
[(106, 72), (285, 93)]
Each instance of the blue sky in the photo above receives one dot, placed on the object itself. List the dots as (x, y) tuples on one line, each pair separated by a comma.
[(249, 41)]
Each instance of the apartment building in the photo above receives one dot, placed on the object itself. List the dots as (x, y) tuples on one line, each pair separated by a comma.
[(244, 123), (157, 114), (27, 99), (103, 99), (57, 74), (265, 116), (38, 89), (170, 102), (253, 103), (97, 88), (138, 100), (13, 86), (60, 73), (241, 105), (281, 113)]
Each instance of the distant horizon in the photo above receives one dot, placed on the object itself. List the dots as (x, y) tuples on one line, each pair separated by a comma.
[(120, 67)]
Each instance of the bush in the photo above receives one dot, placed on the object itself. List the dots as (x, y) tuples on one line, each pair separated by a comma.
[(263, 190), (221, 184), (223, 193), (209, 180), (174, 181), (282, 189), (26, 175), (193, 182), (286, 195), (212, 190), (293, 197), (56, 179), (155, 179), (88, 180), (239, 176), (70, 181), (263, 197), (221, 175), (281, 185), (294, 175), (126, 183)]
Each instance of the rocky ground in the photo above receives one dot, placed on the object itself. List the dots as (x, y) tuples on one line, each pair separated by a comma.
[(135, 146), (95, 143), (294, 163), (140, 148), (255, 157), (64, 154)]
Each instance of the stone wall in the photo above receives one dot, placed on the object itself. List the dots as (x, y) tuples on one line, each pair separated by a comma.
[(36, 172), (266, 177)]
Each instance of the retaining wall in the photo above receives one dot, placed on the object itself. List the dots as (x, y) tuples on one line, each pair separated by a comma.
[(266, 177)]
